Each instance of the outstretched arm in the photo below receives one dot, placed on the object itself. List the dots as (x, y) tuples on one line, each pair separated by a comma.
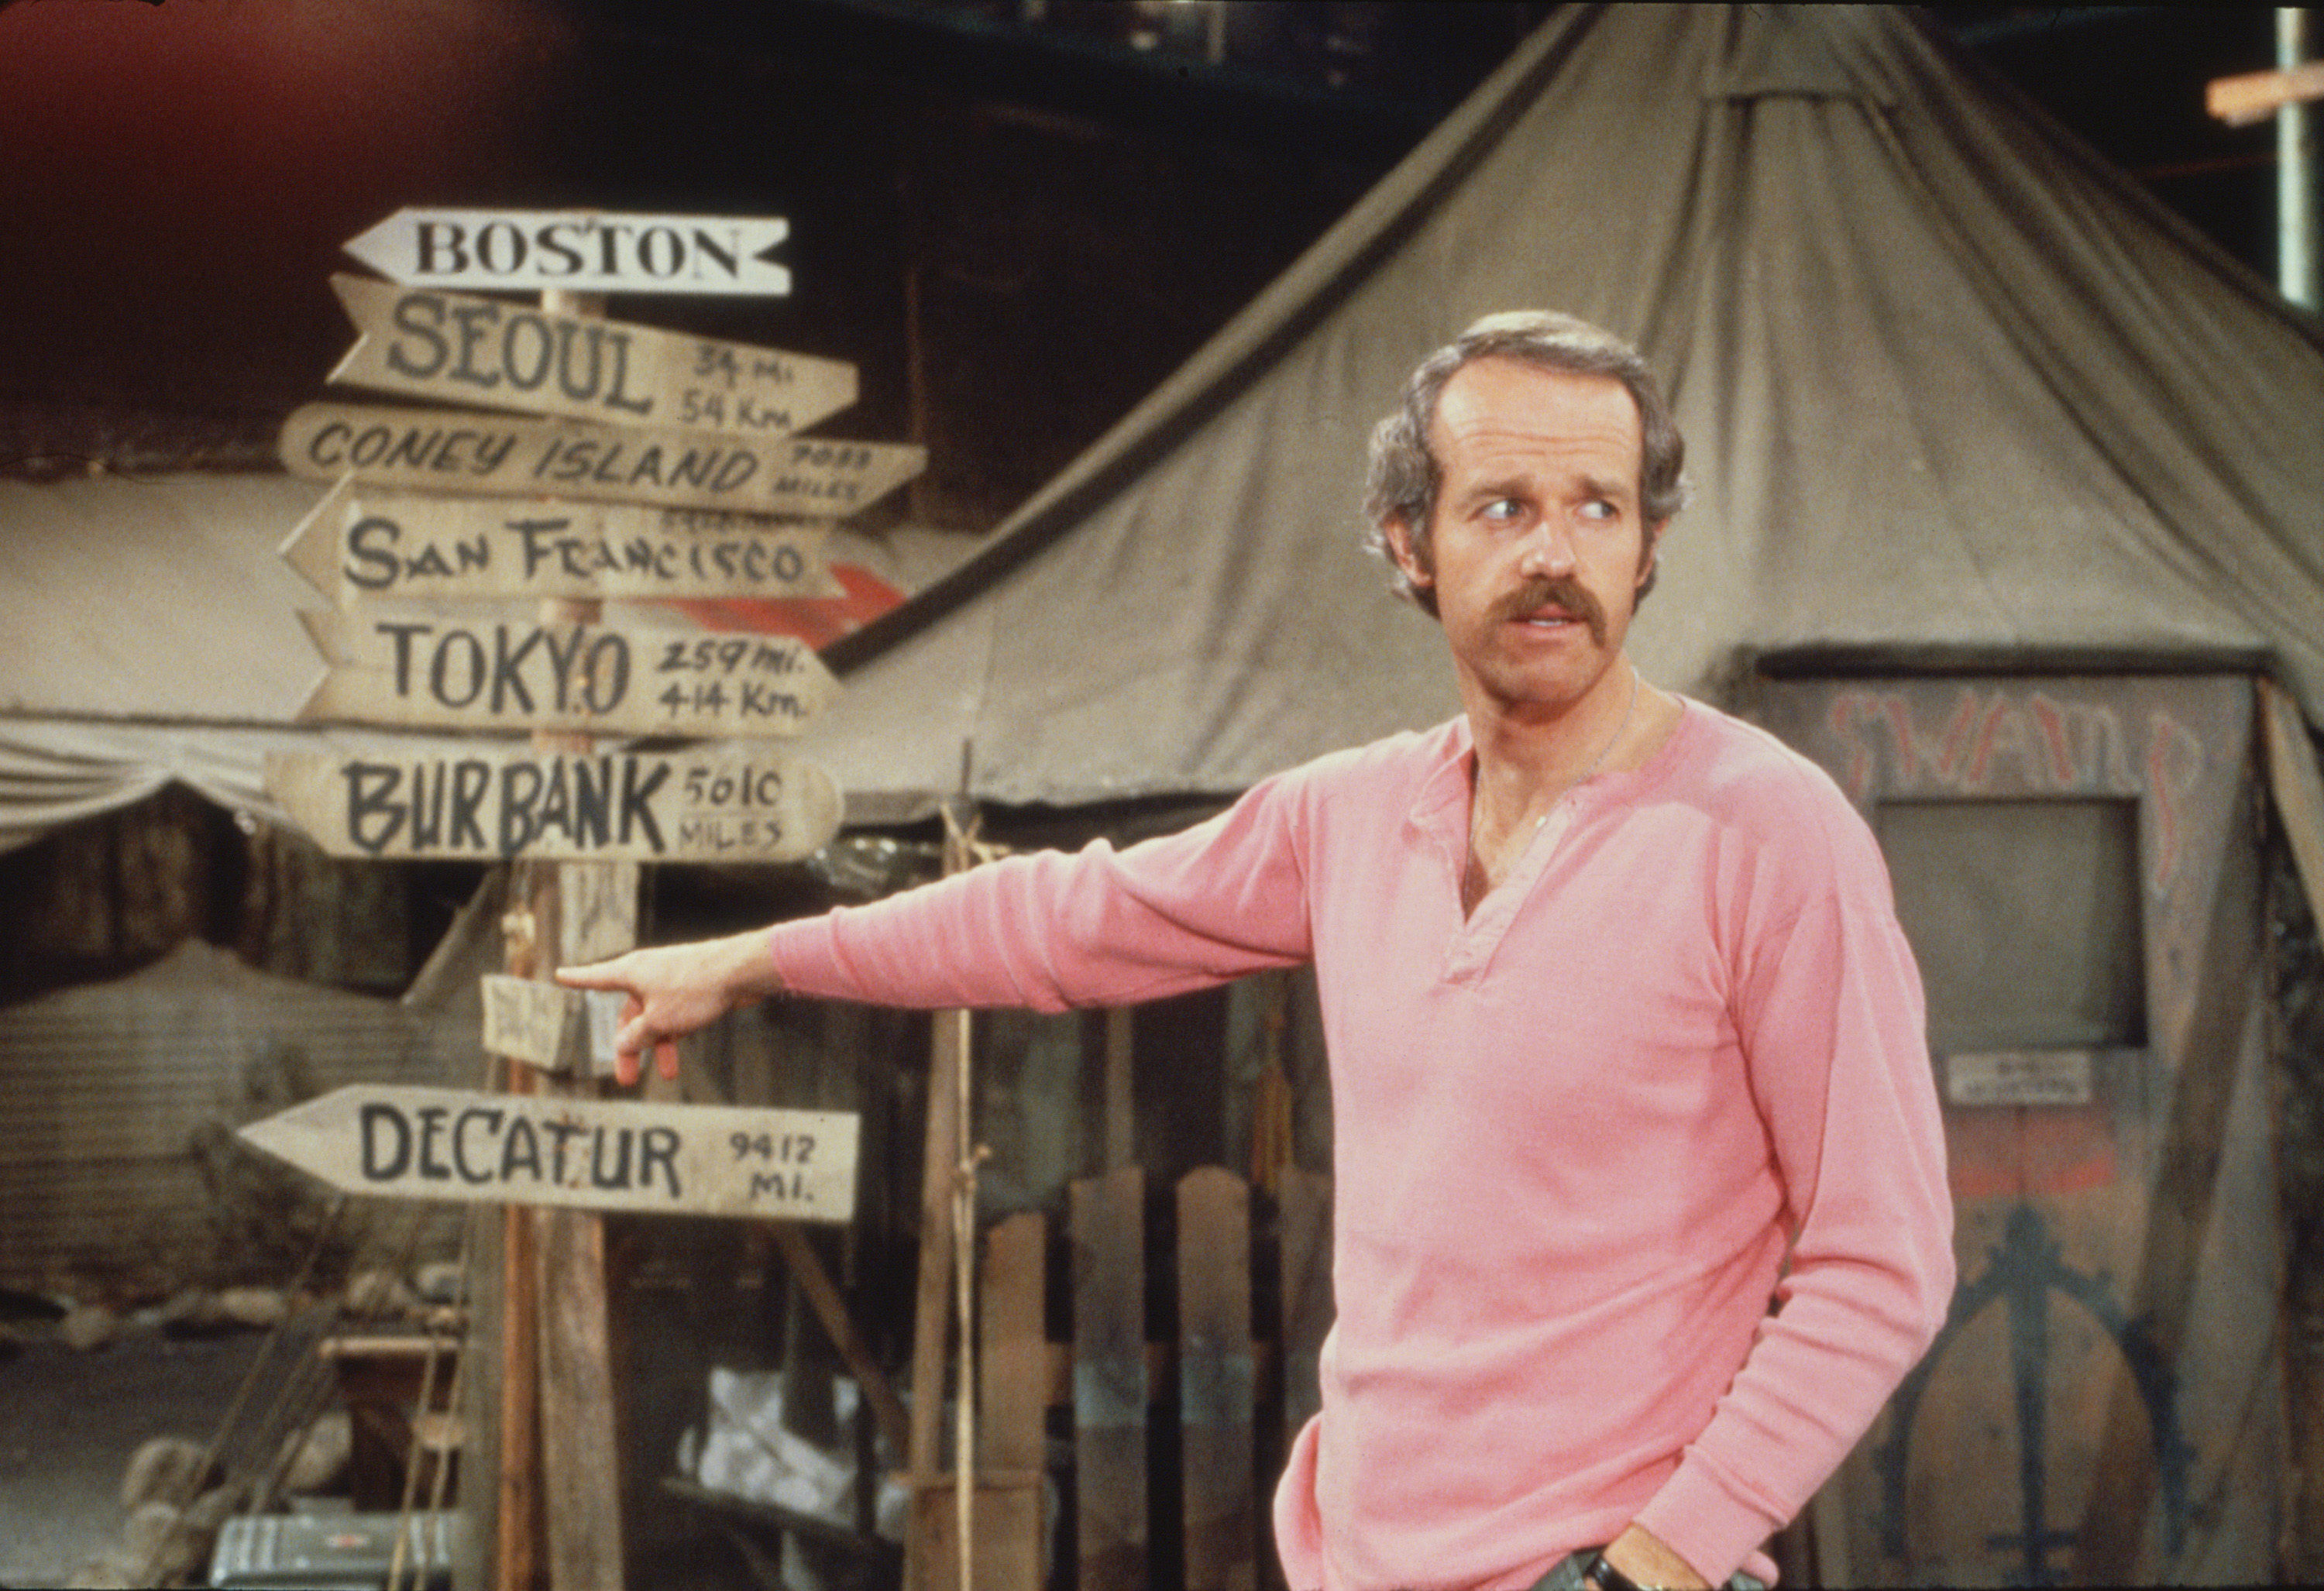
[(670, 990)]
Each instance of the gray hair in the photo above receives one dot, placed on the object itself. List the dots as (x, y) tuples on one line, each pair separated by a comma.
[(1401, 483)]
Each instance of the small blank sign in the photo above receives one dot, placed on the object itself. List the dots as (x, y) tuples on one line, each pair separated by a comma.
[(2019, 1077)]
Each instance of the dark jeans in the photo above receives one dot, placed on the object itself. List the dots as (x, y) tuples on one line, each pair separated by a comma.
[(1565, 1574)]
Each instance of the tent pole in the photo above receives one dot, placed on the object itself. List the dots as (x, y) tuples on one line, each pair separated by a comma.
[(2295, 189)]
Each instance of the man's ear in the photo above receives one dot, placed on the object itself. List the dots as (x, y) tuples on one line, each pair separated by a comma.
[(1399, 546), (1650, 555)]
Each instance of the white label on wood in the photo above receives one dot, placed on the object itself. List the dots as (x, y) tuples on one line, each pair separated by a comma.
[(495, 455), (578, 251), (2019, 1077), (530, 1021), (443, 668), (390, 544), (462, 804), (399, 1141), (429, 344)]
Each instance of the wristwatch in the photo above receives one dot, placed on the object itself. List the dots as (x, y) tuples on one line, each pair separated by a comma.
[(1605, 1577)]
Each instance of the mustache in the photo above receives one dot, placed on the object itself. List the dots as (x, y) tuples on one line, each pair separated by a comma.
[(1562, 592)]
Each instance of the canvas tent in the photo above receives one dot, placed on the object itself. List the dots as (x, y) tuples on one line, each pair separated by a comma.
[(1947, 380)]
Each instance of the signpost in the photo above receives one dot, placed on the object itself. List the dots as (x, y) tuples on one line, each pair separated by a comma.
[(402, 1141), (427, 342), (479, 805), (444, 668), (458, 450), (358, 546), (578, 252), (665, 468)]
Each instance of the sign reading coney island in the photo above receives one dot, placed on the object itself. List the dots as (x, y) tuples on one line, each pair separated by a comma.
[(402, 1141), (459, 450), (577, 251), (459, 804), (359, 545), (451, 668), (426, 343)]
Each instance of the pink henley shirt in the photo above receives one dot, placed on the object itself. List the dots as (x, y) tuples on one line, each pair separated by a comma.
[(1575, 1134)]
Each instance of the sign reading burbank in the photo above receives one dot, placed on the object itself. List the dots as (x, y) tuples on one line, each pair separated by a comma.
[(430, 343), (412, 665), (403, 1141), (577, 251), (471, 804), (457, 450), (391, 544)]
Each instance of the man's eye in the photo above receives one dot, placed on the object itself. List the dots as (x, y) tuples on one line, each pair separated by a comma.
[(1502, 509), (1598, 507)]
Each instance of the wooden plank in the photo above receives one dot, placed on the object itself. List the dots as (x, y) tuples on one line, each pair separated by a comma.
[(484, 803), (415, 666), (359, 546), (1305, 1201), (1012, 1364), (428, 342), (407, 1141), (2297, 788), (500, 455), (580, 1455), (1215, 1380), (583, 254), (1110, 1379), (931, 1306), (2254, 97), (815, 1283), (1120, 1118), (535, 1022)]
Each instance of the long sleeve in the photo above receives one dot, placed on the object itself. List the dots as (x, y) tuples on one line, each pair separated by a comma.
[(1098, 926), (1828, 1008)]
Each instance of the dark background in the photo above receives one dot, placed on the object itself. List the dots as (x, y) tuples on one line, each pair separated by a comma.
[(1015, 216)]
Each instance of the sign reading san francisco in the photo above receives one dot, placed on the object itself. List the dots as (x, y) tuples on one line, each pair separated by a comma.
[(428, 344), (450, 667), (357, 546), (485, 806), (402, 1141), (463, 450)]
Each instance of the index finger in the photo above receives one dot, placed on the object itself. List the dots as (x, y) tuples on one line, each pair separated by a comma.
[(596, 975)]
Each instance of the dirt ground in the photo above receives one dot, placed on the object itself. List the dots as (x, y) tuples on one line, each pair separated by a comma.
[(69, 1420)]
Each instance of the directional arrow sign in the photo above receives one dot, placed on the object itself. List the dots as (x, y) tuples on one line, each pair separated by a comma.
[(406, 1142), (457, 450), (431, 343), (466, 805), (359, 545), (578, 251), (408, 663)]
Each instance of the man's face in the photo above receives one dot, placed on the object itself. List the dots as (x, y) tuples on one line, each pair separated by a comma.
[(1537, 546)]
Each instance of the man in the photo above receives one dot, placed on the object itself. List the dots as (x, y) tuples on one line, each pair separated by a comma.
[(1626, 1046)]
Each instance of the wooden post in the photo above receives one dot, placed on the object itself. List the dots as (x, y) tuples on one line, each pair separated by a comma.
[(1110, 1378), (940, 1157), (1215, 1380)]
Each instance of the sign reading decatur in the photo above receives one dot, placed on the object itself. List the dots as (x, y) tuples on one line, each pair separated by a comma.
[(493, 455), (456, 667), (429, 344), (388, 544), (401, 1141), (479, 804), (577, 251)]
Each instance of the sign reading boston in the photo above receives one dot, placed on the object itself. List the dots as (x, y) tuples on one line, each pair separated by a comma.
[(407, 1142), (580, 251), (457, 450)]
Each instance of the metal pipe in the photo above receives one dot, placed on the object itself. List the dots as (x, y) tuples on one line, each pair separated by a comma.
[(2295, 190)]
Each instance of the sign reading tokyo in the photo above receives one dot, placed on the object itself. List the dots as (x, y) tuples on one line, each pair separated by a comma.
[(358, 546), (401, 1141), (453, 450), (577, 251), (484, 805), (430, 343), (415, 666)]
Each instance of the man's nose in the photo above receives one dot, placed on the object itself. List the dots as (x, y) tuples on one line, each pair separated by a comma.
[(1548, 548)]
